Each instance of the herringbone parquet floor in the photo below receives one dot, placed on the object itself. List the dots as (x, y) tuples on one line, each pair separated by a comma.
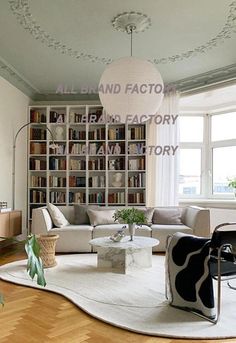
[(33, 316)]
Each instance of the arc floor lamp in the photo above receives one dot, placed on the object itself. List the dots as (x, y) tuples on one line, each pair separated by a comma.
[(53, 146)]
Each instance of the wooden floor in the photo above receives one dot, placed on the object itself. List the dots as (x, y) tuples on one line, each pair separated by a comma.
[(34, 316)]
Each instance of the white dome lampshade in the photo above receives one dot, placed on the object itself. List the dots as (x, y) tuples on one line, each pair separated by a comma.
[(131, 86)]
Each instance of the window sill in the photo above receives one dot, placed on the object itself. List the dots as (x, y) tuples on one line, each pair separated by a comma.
[(212, 203)]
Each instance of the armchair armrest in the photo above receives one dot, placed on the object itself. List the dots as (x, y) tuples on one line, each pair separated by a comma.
[(41, 221), (198, 219)]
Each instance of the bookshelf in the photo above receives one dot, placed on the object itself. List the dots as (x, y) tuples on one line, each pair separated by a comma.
[(94, 163)]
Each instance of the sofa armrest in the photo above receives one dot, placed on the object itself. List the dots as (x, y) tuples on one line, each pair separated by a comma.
[(41, 221), (198, 219)]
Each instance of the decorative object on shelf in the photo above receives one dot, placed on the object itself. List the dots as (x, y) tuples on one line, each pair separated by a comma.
[(59, 132), (47, 249), (232, 184), (117, 237), (135, 85), (52, 146), (3, 204), (132, 217), (117, 180)]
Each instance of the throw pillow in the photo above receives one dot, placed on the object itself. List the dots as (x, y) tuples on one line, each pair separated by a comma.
[(57, 216), (80, 214), (167, 216), (101, 217), (148, 212)]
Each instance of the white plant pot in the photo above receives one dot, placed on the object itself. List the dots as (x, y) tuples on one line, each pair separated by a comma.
[(132, 231)]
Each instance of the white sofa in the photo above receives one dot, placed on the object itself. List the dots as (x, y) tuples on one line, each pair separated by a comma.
[(75, 238)]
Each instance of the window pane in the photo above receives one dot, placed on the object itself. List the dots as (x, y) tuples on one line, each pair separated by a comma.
[(223, 126), (191, 129), (190, 171), (224, 168)]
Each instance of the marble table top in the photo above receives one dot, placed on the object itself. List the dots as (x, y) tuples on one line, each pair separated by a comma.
[(138, 242)]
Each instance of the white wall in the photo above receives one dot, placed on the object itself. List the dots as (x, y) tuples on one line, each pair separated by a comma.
[(13, 114)]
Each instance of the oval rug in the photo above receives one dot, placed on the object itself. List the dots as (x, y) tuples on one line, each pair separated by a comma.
[(134, 302)]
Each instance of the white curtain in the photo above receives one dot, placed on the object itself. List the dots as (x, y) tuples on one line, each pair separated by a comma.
[(163, 170)]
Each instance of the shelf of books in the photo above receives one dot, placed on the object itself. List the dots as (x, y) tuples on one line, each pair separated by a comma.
[(94, 161)]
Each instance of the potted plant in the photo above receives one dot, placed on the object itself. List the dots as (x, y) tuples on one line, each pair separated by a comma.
[(232, 184), (34, 264), (132, 217)]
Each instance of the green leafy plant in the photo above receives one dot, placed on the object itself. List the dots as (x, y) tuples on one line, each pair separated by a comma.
[(130, 216), (232, 183), (34, 264)]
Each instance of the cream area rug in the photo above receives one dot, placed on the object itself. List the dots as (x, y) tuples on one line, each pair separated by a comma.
[(134, 302)]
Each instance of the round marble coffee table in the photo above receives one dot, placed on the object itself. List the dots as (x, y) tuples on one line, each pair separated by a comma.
[(124, 256)]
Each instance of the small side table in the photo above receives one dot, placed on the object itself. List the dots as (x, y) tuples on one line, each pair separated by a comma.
[(47, 249)]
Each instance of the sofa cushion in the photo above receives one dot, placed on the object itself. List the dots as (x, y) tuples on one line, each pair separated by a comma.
[(148, 212), (73, 238), (57, 216), (161, 232), (167, 216), (101, 217), (80, 214)]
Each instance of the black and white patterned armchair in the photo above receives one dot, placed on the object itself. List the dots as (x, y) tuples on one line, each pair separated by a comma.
[(191, 265)]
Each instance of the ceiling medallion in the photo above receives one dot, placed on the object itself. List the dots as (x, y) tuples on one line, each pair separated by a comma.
[(129, 72), (21, 10), (137, 20)]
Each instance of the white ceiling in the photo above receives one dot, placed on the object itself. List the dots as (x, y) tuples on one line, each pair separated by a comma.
[(187, 38)]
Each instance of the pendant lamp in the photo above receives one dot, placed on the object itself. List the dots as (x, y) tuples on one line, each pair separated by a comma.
[(131, 86)]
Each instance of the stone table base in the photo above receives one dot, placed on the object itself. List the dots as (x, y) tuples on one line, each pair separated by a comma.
[(124, 260)]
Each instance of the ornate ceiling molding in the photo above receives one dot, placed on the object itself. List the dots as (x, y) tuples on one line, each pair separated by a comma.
[(207, 79), (21, 10), (204, 80), (14, 77), (227, 31)]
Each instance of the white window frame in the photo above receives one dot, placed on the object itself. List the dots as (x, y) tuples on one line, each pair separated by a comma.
[(195, 145), (207, 146), (218, 144)]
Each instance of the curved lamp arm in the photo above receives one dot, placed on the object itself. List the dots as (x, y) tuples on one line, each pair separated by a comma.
[(53, 146)]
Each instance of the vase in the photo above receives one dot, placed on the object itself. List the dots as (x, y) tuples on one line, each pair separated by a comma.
[(132, 231)]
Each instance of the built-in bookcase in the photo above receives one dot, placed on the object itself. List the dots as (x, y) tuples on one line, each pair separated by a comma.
[(89, 155)]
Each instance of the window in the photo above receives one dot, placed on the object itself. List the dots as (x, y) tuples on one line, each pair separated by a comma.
[(207, 155), (223, 126), (191, 129), (224, 167), (223, 147), (190, 172), (191, 147)]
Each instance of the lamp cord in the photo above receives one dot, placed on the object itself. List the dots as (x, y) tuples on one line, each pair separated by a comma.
[(131, 45)]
